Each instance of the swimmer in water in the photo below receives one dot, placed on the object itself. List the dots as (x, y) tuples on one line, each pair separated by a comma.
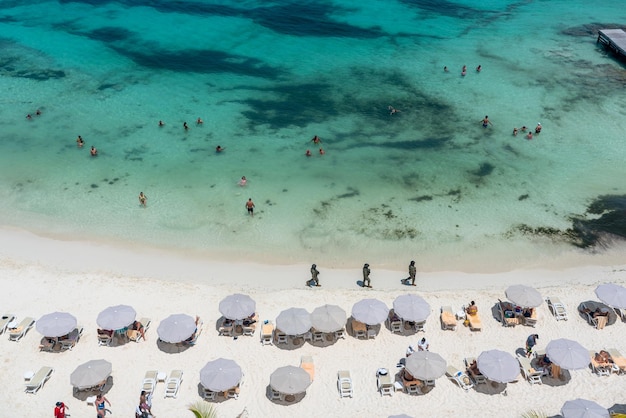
[(486, 122), (538, 128), (219, 148), (514, 131), (445, 69), (243, 181), (185, 125), (316, 140), (392, 110), (93, 151), (142, 199), (479, 68), (322, 152), (161, 123), (530, 135), (464, 70), (308, 153), (199, 121)]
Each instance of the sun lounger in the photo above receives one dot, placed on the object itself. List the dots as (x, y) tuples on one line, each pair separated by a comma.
[(557, 308), (619, 361), (507, 314), (39, 379), (340, 334), (149, 381), (135, 335), (16, 334), (359, 329), (385, 384), (528, 371), (599, 368), (280, 337), (208, 395), (72, 338), (396, 326), (412, 387), (531, 321), (475, 324), (306, 362), (173, 383), (476, 376), (267, 333), (371, 332), (419, 326), (448, 320), (249, 329), (461, 379), (344, 384), (5, 320), (47, 344)]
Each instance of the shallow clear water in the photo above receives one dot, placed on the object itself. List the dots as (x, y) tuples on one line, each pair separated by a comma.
[(428, 183)]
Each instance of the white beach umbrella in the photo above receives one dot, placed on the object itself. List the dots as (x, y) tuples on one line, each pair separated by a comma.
[(294, 321), (370, 311), (56, 324), (567, 354), (582, 408), (328, 318), (498, 366), (176, 328), (220, 375), (116, 317), (237, 306), (290, 380), (91, 374), (425, 365), (524, 296), (411, 308), (612, 294)]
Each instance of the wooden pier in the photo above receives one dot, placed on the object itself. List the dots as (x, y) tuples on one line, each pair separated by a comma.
[(614, 39)]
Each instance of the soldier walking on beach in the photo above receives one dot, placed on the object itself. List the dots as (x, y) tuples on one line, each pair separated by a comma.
[(366, 275), (412, 272), (314, 273)]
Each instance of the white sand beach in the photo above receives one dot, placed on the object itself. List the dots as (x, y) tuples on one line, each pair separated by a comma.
[(41, 275)]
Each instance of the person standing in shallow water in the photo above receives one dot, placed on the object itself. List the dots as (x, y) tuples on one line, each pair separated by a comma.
[(142, 199), (314, 273), (366, 275), (250, 206)]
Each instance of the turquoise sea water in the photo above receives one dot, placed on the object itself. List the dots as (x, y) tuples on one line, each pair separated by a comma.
[(428, 183)]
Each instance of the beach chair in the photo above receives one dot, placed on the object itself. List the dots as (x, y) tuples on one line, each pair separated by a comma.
[(17, 333), (340, 334), (38, 380), (344, 384), (475, 324), (618, 360), (371, 332), (601, 369), (149, 381), (5, 320), (385, 384), (104, 338), (267, 333), (531, 321), (306, 362), (448, 320), (72, 338), (227, 328), (507, 314), (274, 395), (249, 330), (419, 326), (396, 324), (135, 335), (208, 395), (47, 344), (528, 371), (173, 383), (233, 393), (557, 308), (280, 337), (461, 379), (317, 336), (359, 329), (476, 376)]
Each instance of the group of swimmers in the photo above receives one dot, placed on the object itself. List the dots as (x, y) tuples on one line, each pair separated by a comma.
[(529, 135), (316, 140), (464, 69), (199, 121)]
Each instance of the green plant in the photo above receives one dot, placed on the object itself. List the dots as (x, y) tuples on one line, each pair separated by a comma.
[(201, 409), (534, 414)]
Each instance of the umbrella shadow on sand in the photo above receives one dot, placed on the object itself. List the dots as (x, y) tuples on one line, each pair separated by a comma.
[(288, 399), (218, 399), (350, 329), (172, 348), (563, 379), (491, 388), (293, 343), (82, 395)]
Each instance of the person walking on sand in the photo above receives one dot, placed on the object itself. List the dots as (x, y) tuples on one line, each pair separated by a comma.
[(59, 410), (142, 199), (412, 272), (366, 275), (314, 273), (531, 341), (250, 206), (99, 404)]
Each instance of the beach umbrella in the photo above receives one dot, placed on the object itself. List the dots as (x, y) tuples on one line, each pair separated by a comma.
[(370, 311), (411, 308), (237, 306), (56, 324), (612, 294), (294, 321), (176, 328), (116, 317), (220, 375), (90, 374), (498, 366), (582, 408), (524, 296), (328, 318), (290, 380), (425, 365), (567, 354)]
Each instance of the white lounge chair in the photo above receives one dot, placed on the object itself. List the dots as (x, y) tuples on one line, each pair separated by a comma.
[(281, 338), (344, 383), (208, 395), (448, 320), (39, 379), (359, 329), (149, 381), (477, 377), (5, 320), (267, 333), (72, 338), (371, 332), (16, 334), (461, 379), (385, 384), (306, 363), (419, 326), (227, 329), (104, 339), (557, 308), (173, 383), (601, 369), (528, 371), (340, 334)]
